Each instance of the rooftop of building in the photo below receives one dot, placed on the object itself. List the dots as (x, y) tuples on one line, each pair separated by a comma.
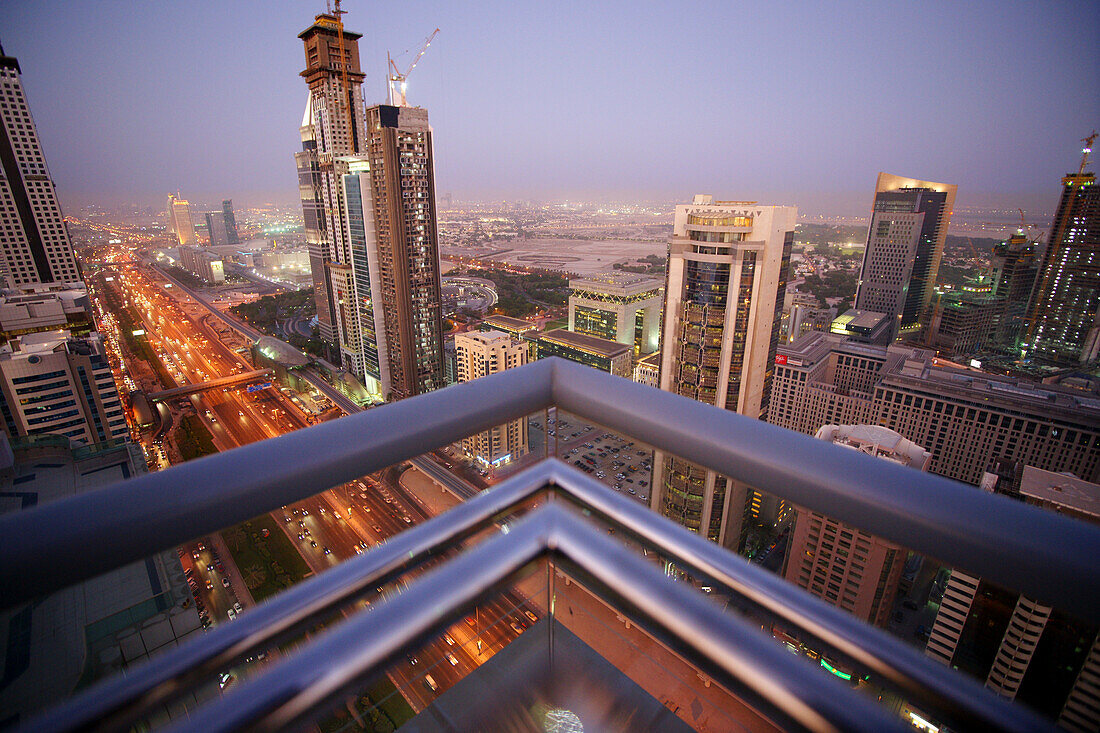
[(859, 320), (591, 344), (511, 324), (616, 280), (876, 440), (651, 360), (1067, 491), (485, 337)]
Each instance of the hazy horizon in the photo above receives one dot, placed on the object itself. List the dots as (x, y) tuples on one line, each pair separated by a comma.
[(617, 102)]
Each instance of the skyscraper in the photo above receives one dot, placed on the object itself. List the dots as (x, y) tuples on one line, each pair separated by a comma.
[(478, 354), (33, 238), (1013, 276), (1064, 317), (727, 273), (230, 221), (909, 221), (179, 220), (366, 179)]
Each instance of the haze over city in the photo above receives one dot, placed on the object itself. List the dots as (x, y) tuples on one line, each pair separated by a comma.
[(795, 103)]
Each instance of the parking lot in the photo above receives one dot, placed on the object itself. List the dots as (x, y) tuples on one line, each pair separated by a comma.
[(618, 461)]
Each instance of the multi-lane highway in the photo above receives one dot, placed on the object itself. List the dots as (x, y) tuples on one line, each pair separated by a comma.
[(326, 529)]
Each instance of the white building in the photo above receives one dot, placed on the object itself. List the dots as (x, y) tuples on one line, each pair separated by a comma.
[(618, 306), (478, 354), (53, 383), (34, 243), (727, 274), (203, 264)]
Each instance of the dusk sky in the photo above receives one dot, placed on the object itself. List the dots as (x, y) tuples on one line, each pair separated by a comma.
[(798, 103)]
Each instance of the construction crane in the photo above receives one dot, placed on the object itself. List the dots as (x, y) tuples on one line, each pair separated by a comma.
[(1085, 152), (398, 80)]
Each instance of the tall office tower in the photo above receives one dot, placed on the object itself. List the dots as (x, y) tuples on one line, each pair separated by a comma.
[(727, 273), (179, 220), (620, 306), (230, 221), (479, 353), (53, 383), (1013, 276), (33, 237), (215, 229), (1022, 648), (838, 562), (1064, 318), (368, 197), (909, 221)]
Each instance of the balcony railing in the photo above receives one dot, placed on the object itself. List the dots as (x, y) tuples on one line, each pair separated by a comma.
[(1044, 555)]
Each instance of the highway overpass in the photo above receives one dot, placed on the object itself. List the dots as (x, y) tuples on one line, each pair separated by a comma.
[(260, 375)]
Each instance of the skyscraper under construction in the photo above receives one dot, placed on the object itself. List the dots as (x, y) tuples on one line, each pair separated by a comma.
[(367, 185)]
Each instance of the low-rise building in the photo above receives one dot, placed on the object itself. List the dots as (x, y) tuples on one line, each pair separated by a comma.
[(618, 306), (516, 327), (22, 313), (648, 370), (203, 264), (602, 354), (53, 383)]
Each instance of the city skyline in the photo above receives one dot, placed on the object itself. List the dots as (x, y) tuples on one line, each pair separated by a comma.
[(511, 103)]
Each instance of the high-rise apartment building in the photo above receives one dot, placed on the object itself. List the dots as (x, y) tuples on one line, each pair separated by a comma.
[(619, 306), (909, 220), (53, 383), (33, 239), (727, 274), (179, 220), (366, 179), (1021, 647), (1064, 317), (965, 418), (479, 353), (840, 563)]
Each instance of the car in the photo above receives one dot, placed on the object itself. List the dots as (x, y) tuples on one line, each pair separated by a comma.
[(413, 660), (530, 615), (643, 497), (430, 682), (336, 514), (301, 522), (194, 554), (321, 510), (210, 585), (328, 551), (376, 528), (201, 547), (210, 567), (471, 622), (448, 639), (231, 614), (363, 545), (357, 550), (313, 543), (286, 518), (408, 519), (516, 627), (452, 659), (362, 495), (305, 512), (225, 582), (237, 607)]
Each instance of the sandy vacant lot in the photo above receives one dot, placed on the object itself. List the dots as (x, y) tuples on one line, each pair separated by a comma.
[(577, 256)]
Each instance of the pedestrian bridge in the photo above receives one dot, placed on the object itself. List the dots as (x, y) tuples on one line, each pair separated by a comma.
[(260, 375)]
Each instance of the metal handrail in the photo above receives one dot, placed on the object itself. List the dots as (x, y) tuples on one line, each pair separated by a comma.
[(118, 702), (1040, 553), (296, 689)]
